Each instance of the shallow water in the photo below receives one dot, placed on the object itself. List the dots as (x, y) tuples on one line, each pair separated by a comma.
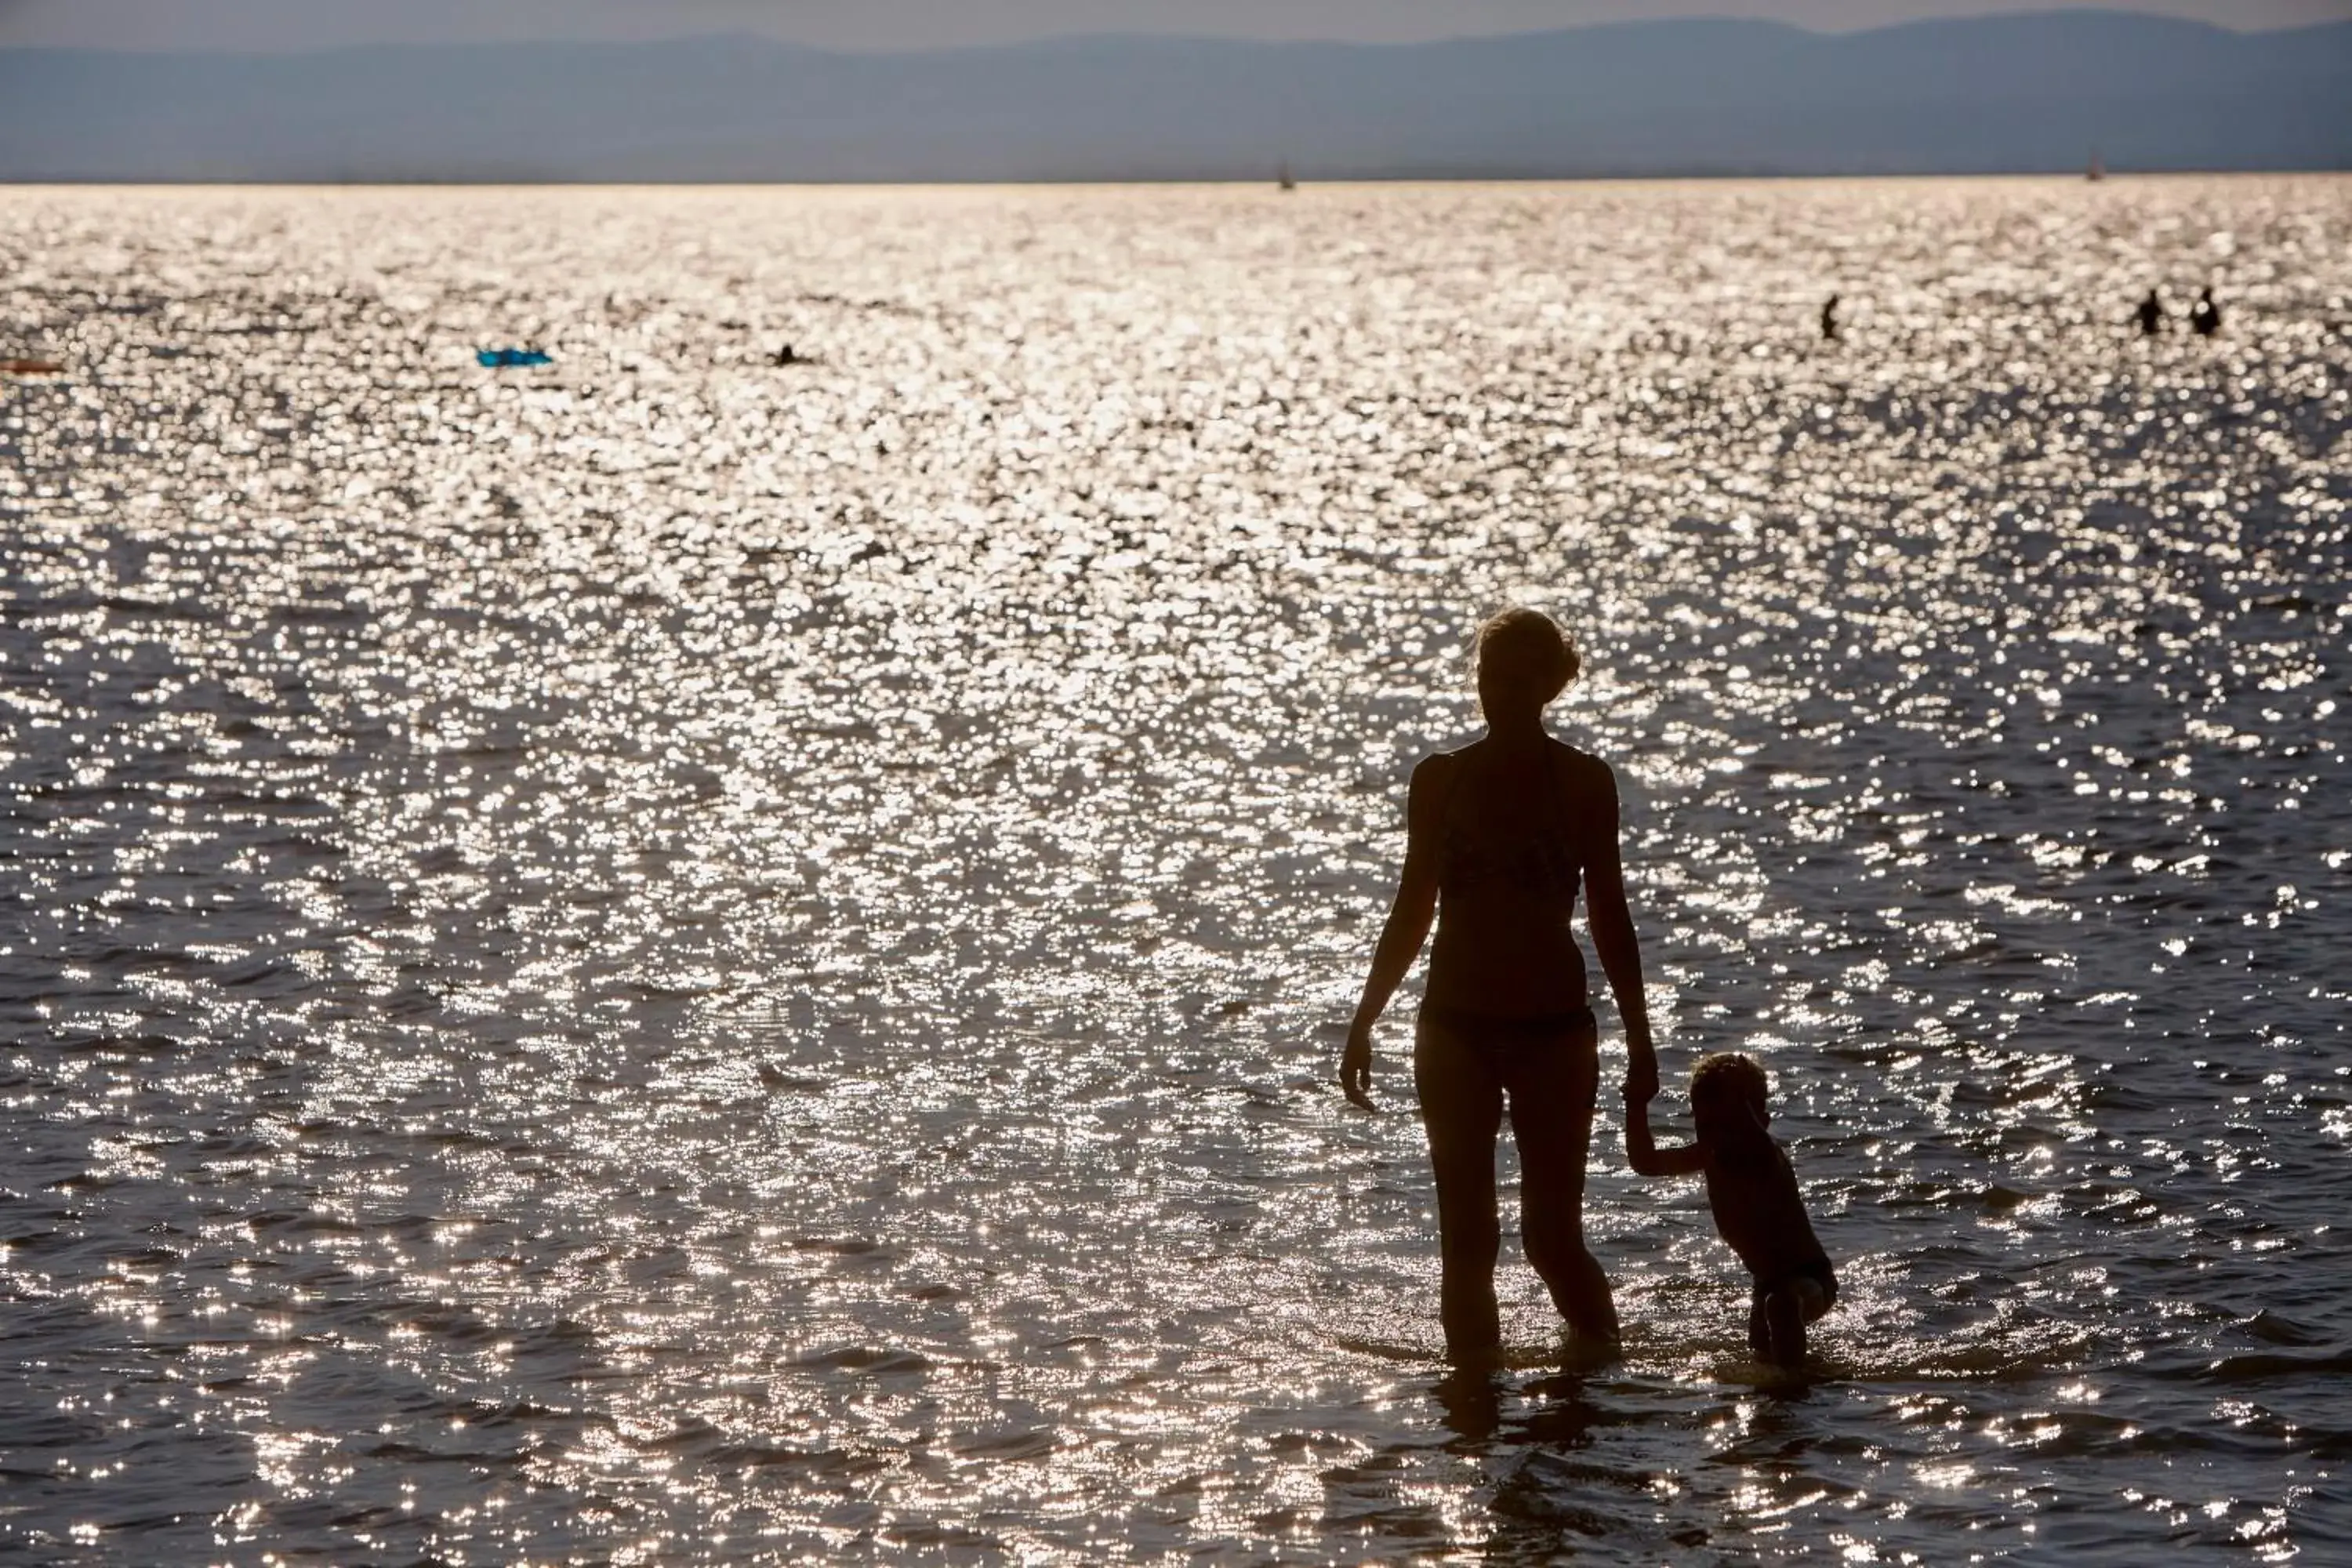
[(668, 959)]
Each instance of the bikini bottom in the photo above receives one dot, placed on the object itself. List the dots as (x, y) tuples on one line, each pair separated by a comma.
[(1488, 1034)]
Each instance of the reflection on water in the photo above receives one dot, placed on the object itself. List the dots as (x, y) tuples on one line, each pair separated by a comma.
[(676, 958)]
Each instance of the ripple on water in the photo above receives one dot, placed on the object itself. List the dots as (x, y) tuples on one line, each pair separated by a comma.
[(673, 959)]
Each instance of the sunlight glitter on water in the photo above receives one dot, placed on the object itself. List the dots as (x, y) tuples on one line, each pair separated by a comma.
[(668, 958)]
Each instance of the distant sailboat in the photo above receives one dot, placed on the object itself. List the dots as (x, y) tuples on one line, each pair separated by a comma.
[(1283, 180)]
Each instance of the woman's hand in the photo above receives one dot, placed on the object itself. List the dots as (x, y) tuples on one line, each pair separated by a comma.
[(1640, 1073), (1356, 1066)]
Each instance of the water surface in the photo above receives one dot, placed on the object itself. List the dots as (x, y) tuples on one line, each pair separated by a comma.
[(671, 959)]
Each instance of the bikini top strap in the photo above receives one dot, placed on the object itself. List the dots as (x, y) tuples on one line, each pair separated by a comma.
[(1564, 820), (1449, 817)]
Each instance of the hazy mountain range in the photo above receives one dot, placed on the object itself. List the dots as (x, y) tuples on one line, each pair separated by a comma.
[(2008, 93)]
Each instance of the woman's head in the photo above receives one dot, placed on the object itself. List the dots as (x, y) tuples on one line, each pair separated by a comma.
[(1524, 661)]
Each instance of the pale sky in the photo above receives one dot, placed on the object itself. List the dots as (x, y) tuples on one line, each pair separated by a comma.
[(280, 25)]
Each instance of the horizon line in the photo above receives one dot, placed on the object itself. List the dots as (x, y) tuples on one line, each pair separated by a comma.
[(510, 182), (743, 34)]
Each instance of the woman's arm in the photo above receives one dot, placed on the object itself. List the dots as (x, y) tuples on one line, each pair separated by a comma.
[(1618, 948), (1648, 1159), (1408, 925)]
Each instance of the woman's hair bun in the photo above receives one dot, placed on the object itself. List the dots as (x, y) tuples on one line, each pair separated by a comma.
[(1527, 648)]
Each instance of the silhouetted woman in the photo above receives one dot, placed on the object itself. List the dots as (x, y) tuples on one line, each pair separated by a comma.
[(1498, 836)]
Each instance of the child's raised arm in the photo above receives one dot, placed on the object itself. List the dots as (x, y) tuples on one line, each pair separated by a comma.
[(1648, 1159)]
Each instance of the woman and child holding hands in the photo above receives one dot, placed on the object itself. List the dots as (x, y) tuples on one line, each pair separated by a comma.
[(1499, 836)]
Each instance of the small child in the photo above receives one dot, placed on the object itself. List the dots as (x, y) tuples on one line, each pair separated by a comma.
[(1752, 1189)]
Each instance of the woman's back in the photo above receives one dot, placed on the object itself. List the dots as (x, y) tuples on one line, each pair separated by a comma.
[(1513, 834)]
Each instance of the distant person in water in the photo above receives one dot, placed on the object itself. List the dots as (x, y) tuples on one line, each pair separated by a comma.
[(2205, 317), (1830, 321), (1498, 836), (1752, 1190), (2150, 315)]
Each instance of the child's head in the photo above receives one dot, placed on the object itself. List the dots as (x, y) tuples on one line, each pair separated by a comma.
[(1728, 1095)]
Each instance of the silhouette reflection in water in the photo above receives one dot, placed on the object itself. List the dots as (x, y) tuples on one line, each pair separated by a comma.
[(1551, 1410), (1536, 1445), (1498, 837)]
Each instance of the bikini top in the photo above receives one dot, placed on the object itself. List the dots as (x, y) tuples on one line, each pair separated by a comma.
[(1532, 859)]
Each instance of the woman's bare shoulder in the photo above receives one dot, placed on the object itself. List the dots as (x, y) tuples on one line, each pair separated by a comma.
[(1435, 772), (1439, 765), (1432, 787)]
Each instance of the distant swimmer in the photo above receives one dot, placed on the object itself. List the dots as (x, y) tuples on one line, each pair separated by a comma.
[(2206, 317), (2150, 315), (1830, 321), (786, 356), (1751, 1189)]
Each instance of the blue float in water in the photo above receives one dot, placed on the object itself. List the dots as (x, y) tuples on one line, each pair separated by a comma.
[(498, 358)]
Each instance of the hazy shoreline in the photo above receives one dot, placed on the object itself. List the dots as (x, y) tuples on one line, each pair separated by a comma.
[(2042, 92)]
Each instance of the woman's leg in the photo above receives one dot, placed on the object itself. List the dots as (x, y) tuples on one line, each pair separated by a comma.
[(1553, 1085), (1461, 1109)]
